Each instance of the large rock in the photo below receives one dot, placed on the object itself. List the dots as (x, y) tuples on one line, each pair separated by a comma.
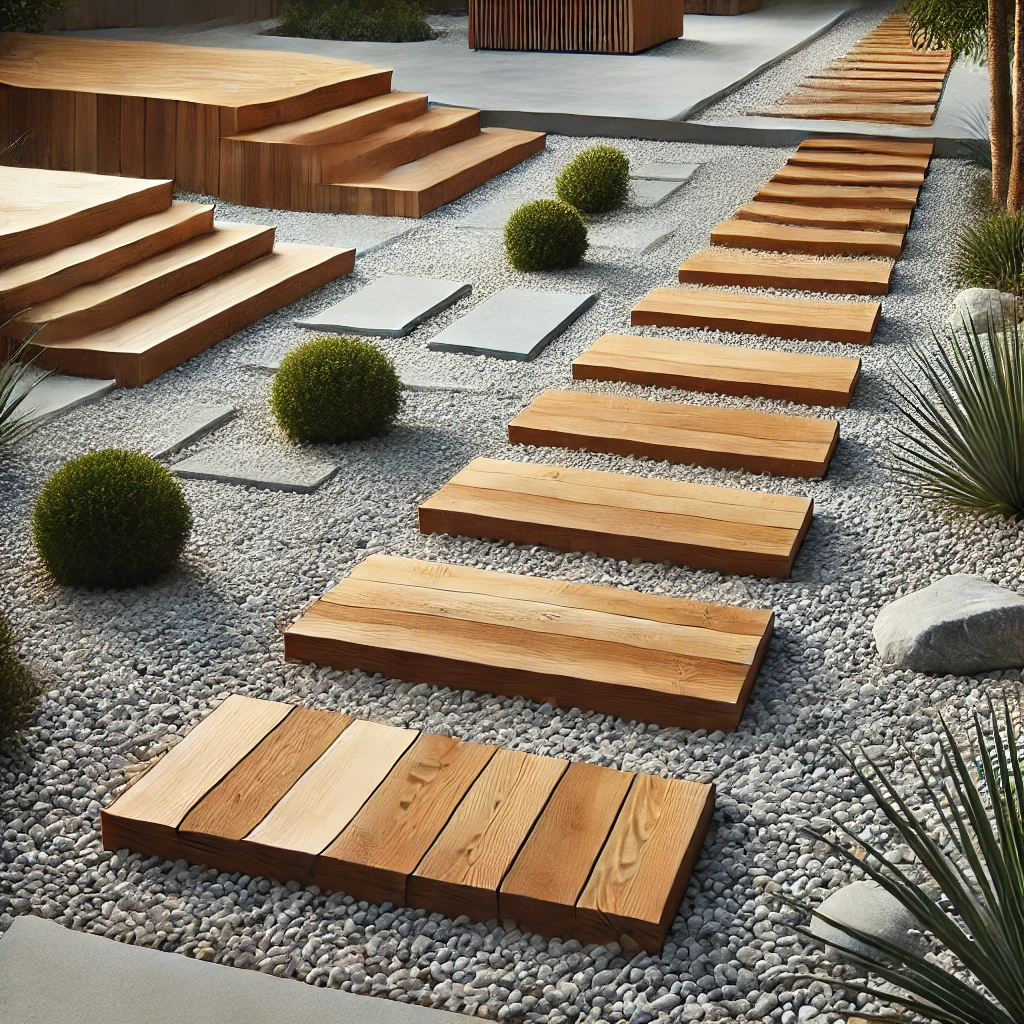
[(981, 305), (959, 625), (869, 908)]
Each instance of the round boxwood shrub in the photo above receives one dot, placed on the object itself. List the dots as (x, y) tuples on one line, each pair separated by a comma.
[(336, 389), (19, 687), (112, 518), (596, 181), (546, 234)]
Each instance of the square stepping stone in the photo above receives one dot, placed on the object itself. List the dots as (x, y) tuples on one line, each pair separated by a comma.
[(491, 216), (390, 307), (649, 192), (516, 323), (664, 172), (191, 425), (57, 394), (637, 238), (280, 474)]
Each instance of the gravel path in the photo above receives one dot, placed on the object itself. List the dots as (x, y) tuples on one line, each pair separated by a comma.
[(129, 673)]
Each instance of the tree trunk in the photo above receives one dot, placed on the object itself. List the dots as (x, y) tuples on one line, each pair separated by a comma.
[(1015, 196), (1001, 108)]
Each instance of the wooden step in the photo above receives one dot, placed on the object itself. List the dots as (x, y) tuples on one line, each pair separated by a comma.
[(888, 113), (416, 188), (890, 97), (794, 174), (863, 74), (671, 432), (44, 211), (145, 285), (732, 268), (894, 221), (930, 89), (622, 516), (887, 62), (393, 815), (46, 277), (868, 144), (140, 349), (845, 196), (750, 234), (774, 316), (636, 656), (858, 161), (719, 369)]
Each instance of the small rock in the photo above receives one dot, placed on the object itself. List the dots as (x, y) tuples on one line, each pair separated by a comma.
[(981, 306), (869, 908)]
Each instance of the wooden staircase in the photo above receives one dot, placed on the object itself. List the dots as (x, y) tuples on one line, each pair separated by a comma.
[(130, 301), (268, 128)]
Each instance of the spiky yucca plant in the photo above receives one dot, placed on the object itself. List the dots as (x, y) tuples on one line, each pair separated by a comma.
[(15, 387), (970, 849), (960, 437), (990, 252)]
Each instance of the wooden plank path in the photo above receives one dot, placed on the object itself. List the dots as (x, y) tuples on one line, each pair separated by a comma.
[(809, 240), (636, 656), (670, 431), (622, 516), (838, 217), (389, 814), (845, 196), (720, 369)]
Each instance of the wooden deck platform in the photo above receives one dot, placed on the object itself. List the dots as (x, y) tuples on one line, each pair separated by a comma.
[(260, 128), (622, 516), (389, 814), (669, 431), (720, 369), (635, 656)]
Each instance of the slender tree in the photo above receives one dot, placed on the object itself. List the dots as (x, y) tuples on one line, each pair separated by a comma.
[(1001, 108), (1015, 191)]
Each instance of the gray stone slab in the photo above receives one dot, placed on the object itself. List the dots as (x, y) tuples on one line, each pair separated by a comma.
[(516, 323), (491, 216), (189, 426), (390, 307), (636, 238), (649, 192), (272, 474), (58, 394), (52, 975), (664, 172)]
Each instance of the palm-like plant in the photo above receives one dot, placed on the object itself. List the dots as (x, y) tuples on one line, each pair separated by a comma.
[(971, 850), (16, 384), (960, 436)]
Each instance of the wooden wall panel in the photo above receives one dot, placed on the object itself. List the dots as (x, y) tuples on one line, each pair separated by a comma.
[(133, 136), (62, 128), (108, 134), (161, 128), (86, 132)]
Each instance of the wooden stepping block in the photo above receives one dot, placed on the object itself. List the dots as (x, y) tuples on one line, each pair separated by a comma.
[(389, 814), (722, 266), (841, 85), (669, 431), (848, 196), (855, 74), (622, 516), (889, 221), (892, 113), (894, 96), (869, 144), (750, 234), (794, 174), (389, 307), (635, 656), (800, 319), (719, 369)]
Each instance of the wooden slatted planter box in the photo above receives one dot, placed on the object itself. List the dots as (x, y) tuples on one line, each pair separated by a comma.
[(574, 26), (723, 6)]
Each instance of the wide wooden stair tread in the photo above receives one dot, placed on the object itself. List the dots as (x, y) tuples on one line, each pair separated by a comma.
[(894, 97), (815, 241), (621, 516), (868, 144), (778, 316), (796, 174), (670, 431), (867, 196), (910, 114), (720, 369), (846, 218), (390, 814), (636, 656)]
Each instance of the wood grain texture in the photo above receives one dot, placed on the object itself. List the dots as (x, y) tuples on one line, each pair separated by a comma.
[(631, 655), (869, 144), (847, 196), (720, 369), (802, 319), (835, 217), (771, 236), (621, 516), (796, 174), (715, 437)]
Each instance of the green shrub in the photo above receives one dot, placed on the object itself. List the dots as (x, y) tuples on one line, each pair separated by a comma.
[(596, 181), (27, 15), (546, 234), (990, 253), (380, 21), (336, 389), (112, 518), (19, 688)]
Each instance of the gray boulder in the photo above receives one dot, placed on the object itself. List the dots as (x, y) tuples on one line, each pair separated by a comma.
[(869, 908), (959, 625), (980, 305)]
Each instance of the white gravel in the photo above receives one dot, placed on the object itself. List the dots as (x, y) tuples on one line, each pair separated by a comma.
[(129, 673)]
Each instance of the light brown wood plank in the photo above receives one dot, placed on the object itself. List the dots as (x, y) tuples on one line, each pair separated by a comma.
[(842, 218), (891, 113), (847, 196), (798, 175), (812, 241), (870, 144)]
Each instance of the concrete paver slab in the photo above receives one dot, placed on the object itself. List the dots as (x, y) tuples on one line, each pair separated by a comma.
[(57, 394), (650, 192), (302, 476), (189, 427), (664, 172)]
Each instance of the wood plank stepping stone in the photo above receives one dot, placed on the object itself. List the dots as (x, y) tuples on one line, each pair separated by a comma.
[(389, 814), (869, 144), (894, 96), (890, 221), (907, 75), (814, 241), (722, 266), (621, 516), (719, 369), (669, 431), (636, 656), (794, 174), (779, 317), (389, 307), (515, 323), (858, 161), (300, 476), (910, 114), (865, 86), (870, 196)]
